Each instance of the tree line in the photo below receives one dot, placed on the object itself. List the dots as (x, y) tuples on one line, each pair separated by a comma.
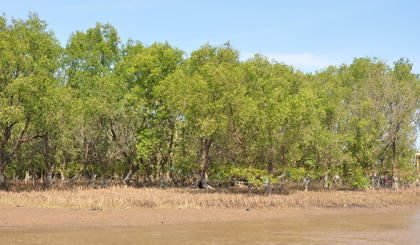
[(99, 106)]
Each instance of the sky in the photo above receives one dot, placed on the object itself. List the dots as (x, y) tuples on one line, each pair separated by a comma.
[(309, 35)]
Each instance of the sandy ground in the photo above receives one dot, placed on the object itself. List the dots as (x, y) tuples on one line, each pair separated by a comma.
[(39, 217)]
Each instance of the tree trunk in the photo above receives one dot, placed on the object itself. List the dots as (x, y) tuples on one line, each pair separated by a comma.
[(93, 177), (104, 183), (127, 179), (2, 161), (26, 177), (282, 184), (111, 177), (4, 178), (1, 176), (394, 167), (145, 179), (133, 169), (50, 170), (149, 179), (326, 179), (171, 177), (2, 168), (62, 174), (75, 176), (47, 161), (162, 181), (307, 183), (5, 157), (269, 188), (93, 181), (42, 176), (249, 187), (202, 180), (162, 177), (49, 175), (271, 168)]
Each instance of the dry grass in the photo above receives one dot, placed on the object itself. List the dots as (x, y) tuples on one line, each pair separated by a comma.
[(82, 197)]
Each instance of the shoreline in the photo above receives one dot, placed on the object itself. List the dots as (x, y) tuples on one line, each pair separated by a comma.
[(31, 217), (121, 206)]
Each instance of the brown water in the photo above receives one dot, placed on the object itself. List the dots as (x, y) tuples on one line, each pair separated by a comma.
[(401, 227)]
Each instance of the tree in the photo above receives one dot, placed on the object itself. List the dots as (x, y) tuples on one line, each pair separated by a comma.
[(144, 109), (281, 107), (401, 92), (203, 91), (28, 66), (89, 61)]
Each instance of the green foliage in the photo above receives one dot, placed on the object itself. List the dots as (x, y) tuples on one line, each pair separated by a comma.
[(113, 108), (358, 179)]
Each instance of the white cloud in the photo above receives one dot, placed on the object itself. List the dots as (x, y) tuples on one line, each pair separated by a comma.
[(306, 62), (301, 59)]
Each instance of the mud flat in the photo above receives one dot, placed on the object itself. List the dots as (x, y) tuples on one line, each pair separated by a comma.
[(22, 225), (13, 216)]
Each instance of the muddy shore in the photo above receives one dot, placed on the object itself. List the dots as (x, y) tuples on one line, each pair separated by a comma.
[(13, 216)]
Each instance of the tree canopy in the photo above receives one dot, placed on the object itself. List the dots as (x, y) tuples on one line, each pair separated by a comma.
[(98, 106)]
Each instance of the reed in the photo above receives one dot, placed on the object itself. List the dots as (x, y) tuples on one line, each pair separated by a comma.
[(122, 197)]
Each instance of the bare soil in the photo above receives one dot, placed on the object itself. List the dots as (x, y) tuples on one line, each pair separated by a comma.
[(14, 216)]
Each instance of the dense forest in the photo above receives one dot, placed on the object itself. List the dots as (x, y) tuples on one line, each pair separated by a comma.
[(102, 107)]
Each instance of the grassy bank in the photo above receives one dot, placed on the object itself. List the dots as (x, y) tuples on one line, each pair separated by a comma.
[(128, 197)]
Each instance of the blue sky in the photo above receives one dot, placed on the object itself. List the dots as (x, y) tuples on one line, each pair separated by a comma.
[(309, 35)]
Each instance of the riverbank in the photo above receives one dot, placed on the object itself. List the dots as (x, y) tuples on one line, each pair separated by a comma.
[(120, 206)]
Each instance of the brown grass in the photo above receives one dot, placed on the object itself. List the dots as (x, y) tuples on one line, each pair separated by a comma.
[(82, 197)]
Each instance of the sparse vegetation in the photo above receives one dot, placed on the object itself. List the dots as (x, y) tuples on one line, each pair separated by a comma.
[(123, 197)]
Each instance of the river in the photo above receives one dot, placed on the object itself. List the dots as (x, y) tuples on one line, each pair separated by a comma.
[(398, 227)]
